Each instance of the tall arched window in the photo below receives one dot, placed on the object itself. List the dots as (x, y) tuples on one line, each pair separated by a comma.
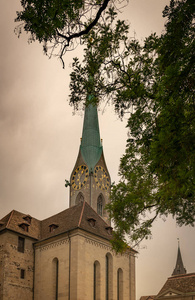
[(109, 276), (79, 198), (119, 284), (100, 205), (55, 278), (96, 280)]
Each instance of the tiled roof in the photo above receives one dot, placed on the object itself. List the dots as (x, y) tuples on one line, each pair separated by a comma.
[(75, 217), (14, 219), (181, 283), (78, 216), (151, 297)]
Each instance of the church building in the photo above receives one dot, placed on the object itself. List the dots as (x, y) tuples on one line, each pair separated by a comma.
[(68, 256), (180, 286)]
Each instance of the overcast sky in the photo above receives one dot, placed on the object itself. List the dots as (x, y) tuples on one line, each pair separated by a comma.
[(40, 136)]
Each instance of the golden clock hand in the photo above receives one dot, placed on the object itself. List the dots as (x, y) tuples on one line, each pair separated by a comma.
[(102, 177), (79, 175)]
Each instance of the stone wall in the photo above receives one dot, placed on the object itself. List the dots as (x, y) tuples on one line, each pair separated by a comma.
[(46, 253), (13, 287), (76, 255)]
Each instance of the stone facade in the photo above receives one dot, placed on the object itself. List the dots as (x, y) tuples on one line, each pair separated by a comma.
[(77, 254), (15, 265), (67, 256)]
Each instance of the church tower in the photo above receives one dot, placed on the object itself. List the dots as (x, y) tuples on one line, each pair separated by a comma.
[(90, 179), (179, 267)]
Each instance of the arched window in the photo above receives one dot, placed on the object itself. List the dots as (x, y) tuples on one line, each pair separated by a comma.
[(119, 284), (96, 280), (55, 278), (79, 198), (109, 276), (100, 205)]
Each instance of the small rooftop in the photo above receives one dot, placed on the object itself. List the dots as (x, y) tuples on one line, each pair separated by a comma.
[(184, 283)]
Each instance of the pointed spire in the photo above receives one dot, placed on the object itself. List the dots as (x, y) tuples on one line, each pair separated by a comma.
[(91, 148), (179, 267)]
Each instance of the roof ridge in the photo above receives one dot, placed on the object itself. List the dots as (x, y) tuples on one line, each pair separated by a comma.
[(182, 275), (12, 212), (81, 213), (72, 207)]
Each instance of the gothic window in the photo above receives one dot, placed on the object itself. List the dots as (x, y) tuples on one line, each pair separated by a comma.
[(79, 198), (100, 205), (109, 276), (55, 278), (96, 280), (119, 284), (21, 242)]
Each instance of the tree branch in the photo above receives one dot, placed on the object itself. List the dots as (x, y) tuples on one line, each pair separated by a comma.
[(82, 32)]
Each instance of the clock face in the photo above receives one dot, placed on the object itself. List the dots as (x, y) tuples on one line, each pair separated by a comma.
[(101, 178), (79, 178)]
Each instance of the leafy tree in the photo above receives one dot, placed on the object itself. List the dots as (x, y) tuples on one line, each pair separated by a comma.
[(153, 82), (58, 23)]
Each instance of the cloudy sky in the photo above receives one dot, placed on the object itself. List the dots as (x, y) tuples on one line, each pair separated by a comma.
[(40, 136)]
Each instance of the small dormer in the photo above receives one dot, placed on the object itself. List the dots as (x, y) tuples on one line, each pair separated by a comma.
[(91, 221), (109, 230), (28, 219), (24, 226), (53, 227)]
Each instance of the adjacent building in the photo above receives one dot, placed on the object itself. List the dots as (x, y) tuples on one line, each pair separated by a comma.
[(180, 286)]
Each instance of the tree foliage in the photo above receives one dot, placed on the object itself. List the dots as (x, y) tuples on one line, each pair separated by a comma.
[(102, 46), (154, 83), (58, 24)]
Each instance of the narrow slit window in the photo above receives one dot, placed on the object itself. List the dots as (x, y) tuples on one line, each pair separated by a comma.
[(107, 277), (96, 280), (55, 278), (22, 273), (21, 242), (100, 205), (119, 284)]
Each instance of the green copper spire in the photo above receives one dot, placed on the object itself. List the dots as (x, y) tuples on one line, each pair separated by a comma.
[(91, 148)]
